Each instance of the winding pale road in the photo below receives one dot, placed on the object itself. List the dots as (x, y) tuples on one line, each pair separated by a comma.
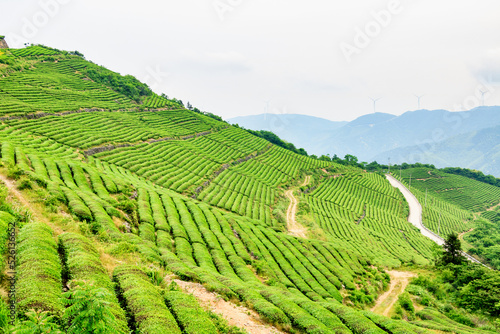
[(415, 216)]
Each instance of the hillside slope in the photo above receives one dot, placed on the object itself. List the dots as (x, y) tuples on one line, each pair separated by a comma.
[(125, 197)]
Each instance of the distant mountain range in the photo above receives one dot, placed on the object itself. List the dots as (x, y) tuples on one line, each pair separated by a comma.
[(468, 139), (301, 130)]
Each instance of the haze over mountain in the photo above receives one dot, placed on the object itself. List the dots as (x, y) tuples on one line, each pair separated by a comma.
[(440, 137), (305, 131), (474, 150)]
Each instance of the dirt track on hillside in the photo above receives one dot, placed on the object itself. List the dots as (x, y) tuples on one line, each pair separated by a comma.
[(239, 316), (399, 282), (293, 227), (11, 186)]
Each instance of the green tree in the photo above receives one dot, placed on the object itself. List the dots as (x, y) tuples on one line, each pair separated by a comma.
[(88, 310), (325, 158), (351, 159), (37, 322), (452, 250)]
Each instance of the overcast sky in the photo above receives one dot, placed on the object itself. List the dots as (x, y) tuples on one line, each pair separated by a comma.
[(319, 57)]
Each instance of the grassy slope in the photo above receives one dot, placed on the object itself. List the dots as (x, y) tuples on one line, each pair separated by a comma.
[(229, 238)]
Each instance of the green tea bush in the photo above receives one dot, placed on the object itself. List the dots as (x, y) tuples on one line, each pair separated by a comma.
[(39, 283), (143, 301), (190, 316)]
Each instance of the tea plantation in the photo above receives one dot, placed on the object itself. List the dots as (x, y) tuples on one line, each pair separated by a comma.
[(129, 191)]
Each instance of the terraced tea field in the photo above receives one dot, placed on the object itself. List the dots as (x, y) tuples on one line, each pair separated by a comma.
[(123, 199), (466, 193)]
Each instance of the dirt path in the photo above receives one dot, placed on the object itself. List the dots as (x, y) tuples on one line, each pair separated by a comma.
[(293, 227), (306, 181), (460, 236), (493, 207), (31, 207), (399, 282), (14, 192), (239, 316)]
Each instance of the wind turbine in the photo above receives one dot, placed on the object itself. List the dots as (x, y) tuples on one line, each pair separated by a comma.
[(267, 106), (418, 100), (375, 103), (482, 96)]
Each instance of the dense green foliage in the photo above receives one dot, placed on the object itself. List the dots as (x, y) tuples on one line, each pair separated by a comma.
[(473, 174), (82, 263), (486, 240), (38, 322), (272, 138), (191, 317), (39, 283), (88, 310), (470, 287), (126, 85)]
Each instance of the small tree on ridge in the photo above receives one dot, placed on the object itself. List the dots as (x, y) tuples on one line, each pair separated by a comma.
[(452, 250)]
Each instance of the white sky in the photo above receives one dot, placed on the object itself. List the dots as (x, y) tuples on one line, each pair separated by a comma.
[(231, 61)]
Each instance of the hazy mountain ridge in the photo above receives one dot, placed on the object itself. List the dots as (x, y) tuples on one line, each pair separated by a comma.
[(474, 150), (301, 130), (421, 135)]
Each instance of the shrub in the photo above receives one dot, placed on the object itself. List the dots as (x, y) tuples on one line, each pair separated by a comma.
[(4, 317), (392, 326), (76, 205), (87, 309), (37, 322), (222, 325), (14, 173), (354, 320), (25, 184), (405, 302), (8, 157), (5, 219)]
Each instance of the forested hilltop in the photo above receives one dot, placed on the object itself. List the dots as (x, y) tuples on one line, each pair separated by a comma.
[(123, 204)]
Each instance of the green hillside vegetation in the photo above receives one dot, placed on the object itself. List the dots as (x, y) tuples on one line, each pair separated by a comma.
[(42, 79), (124, 198), (459, 190)]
